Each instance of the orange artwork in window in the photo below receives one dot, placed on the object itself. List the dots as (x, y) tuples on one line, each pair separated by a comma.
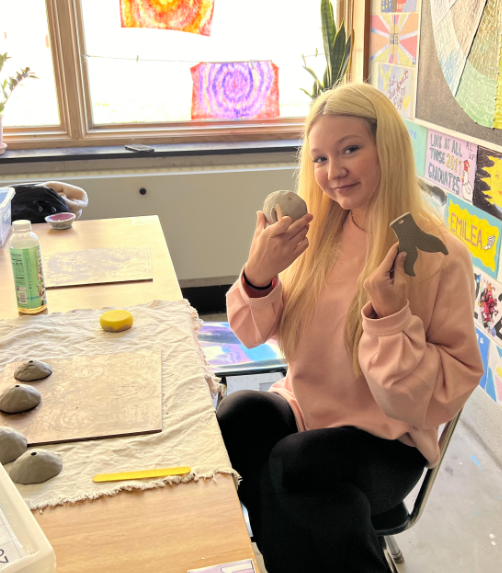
[(193, 16)]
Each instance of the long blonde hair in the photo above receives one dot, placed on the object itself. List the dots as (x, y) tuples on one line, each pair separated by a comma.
[(397, 194)]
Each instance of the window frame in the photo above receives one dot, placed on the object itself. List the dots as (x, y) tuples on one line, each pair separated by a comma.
[(76, 128)]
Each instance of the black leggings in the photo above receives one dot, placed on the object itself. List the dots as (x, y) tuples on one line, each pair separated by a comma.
[(310, 495)]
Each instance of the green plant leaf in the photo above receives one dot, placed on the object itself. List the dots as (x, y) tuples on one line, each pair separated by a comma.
[(328, 33), (338, 53), (312, 97), (313, 74), (325, 79), (346, 58)]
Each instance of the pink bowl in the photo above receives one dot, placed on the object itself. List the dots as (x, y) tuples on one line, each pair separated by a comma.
[(61, 220)]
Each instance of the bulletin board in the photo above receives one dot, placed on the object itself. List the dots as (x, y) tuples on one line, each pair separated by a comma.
[(435, 102)]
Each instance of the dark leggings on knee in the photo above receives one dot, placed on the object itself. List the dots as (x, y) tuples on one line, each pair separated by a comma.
[(310, 495)]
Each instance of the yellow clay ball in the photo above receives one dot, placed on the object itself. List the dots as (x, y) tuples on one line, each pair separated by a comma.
[(116, 320)]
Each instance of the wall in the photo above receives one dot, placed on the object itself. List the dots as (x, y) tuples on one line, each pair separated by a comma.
[(458, 171), (207, 212)]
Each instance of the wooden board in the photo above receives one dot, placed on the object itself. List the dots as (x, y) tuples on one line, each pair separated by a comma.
[(92, 397), (97, 266)]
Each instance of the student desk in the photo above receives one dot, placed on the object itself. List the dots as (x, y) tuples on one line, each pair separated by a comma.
[(171, 529)]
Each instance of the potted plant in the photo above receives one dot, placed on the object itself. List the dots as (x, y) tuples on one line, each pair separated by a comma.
[(8, 85), (337, 51)]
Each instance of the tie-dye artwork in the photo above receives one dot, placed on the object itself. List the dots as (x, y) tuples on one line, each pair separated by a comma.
[(235, 90), (193, 16)]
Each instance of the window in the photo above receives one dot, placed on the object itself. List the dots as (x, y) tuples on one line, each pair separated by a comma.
[(105, 84)]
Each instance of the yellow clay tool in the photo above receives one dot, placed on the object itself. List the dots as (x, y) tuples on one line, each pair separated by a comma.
[(144, 474), (116, 320)]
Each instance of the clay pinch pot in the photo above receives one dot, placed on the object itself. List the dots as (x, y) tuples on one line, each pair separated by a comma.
[(32, 370), (35, 466), (291, 204), (12, 444), (19, 398), (61, 221)]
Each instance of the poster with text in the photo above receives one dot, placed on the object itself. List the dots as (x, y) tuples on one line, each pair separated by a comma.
[(396, 82), (479, 231), (451, 163), (418, 136), (488, 185), (484, 348), (394, 6)]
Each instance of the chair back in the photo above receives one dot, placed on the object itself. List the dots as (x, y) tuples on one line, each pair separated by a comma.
[(430, 476)]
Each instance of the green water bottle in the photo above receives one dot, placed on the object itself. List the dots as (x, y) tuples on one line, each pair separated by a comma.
[(27, 268)]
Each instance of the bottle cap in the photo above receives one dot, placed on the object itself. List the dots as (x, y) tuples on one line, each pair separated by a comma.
[(21, 226)]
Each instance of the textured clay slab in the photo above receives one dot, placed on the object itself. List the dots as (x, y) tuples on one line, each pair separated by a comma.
[(97, 266), (91, 397)]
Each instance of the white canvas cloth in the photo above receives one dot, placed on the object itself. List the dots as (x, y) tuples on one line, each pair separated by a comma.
[(190, 435)]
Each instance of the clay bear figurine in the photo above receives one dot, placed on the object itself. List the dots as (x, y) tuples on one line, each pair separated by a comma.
[(411, 237), (291, 204)]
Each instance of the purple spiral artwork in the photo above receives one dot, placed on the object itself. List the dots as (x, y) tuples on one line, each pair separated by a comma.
[(235, 90)]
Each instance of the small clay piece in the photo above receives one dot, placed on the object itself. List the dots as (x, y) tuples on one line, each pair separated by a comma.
[(411, 237), (32, 370), (19, 398), (35, 467), (291, 204), (12, 444)]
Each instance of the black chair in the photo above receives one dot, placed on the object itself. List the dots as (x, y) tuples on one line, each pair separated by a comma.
[(386, 524)]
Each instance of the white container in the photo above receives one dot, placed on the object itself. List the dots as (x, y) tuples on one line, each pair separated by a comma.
[(6, 194), (24, 544)]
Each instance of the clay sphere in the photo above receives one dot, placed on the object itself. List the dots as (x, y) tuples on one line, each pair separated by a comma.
[(19, 398), (292, 205), (12, 444), (32, 370), (35, 467)]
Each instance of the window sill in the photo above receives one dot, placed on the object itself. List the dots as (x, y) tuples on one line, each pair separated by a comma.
[(161, 150)]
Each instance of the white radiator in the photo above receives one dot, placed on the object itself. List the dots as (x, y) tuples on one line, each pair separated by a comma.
[(208, 214)]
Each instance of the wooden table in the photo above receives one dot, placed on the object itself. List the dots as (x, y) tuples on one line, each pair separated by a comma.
[(169, 529)]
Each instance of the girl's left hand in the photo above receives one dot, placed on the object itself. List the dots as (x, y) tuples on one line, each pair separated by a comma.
[(387, 286)]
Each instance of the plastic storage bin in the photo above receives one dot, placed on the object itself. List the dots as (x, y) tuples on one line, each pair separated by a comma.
[(6, 194), (23, 545)]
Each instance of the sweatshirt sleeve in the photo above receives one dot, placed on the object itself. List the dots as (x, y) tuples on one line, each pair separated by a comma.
[(254, 319), (425, 378)]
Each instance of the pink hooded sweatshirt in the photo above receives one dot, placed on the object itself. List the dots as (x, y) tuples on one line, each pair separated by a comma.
[(419, 365)]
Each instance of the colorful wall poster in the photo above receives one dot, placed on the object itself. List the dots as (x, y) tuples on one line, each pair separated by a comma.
[(396, 83), (418, 136), (479, 231), (493, 385), (451, 163), (235, 90), (397, 5), (382, 46), (406, 5), (405, 38), (484, 348), (435, 196), (488, 186), (195, 17), (488, 305)]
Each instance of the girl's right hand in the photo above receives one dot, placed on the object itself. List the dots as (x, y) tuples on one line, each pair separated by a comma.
[(275, 247)]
